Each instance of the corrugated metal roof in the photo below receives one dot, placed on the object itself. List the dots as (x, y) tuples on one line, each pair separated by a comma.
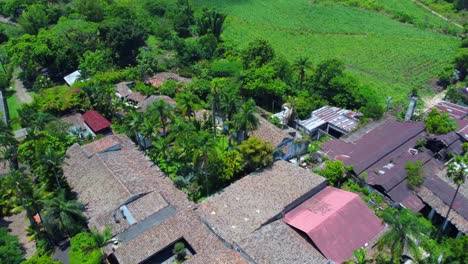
[(337, 221), (340, 118), (453, 110), (71, 78), (95, 121)]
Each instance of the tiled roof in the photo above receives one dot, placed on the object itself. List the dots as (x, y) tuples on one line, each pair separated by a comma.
[(105, 180), (278, 243), (159, 78), (250, 202), (75, 119), (137, 97), (270, 133), (337, 221), (186, 225), (95, 121), (123, 89), (153, 99)]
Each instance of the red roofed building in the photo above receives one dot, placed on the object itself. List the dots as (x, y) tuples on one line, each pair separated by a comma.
[(453, 110), (337, 222), (96, 123)]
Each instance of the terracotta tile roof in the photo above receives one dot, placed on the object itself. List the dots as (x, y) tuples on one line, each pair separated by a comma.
[(153, 99), (105, 180), (75, 120), (187, 225), (441, 208), (159, 78), (240, 209), (95, 121), (270, 133), (337, 221), (278, 243), (123, 89), (137, 97)]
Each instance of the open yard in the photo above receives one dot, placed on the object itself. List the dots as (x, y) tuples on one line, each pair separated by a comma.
[(390, 56)]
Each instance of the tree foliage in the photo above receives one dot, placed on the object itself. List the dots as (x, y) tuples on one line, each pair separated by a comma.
[(255, 153), (10, 251), (334, 172), (415, 173), (439, 122)]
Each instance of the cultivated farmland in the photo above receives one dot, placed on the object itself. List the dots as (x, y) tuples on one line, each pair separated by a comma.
[(390, 56)]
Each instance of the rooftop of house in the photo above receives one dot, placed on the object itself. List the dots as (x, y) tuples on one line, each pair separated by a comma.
[(270, 133), (277, 243), (239, 209), (75, 120), (95, 121), (454, 110), (122, 89), (137, 97), (376, 144), (110, 173), (342, 119), (187, 225), (337, 222), (463, 132), (153, 99), (159, 78)]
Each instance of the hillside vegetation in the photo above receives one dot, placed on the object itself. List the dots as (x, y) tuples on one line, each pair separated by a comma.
[(391, 56)]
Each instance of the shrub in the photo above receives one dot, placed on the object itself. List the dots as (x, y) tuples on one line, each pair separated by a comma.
[(439, 123), (61, 99), (179, 251), (10, 251), (415, 173), (256, 154), (334, 171), (83, 249)]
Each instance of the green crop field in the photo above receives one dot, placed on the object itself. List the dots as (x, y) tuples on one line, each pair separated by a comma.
[(390, 56)]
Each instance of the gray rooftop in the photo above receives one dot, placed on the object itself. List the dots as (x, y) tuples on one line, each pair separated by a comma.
[(278, 243), (241, 208), (340, 118)]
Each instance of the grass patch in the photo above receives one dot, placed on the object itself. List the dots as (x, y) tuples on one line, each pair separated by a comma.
[(13, 106), (391, 57)]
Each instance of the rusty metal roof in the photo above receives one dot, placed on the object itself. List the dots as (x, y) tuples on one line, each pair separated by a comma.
[(341, 118), (337, 221), (453, 110)]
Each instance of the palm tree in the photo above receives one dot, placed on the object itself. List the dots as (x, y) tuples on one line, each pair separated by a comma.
[(183, 182), (101, 239), (246, 120), (163, 112), (359, 257), (407, 230), (187, 103), (302, 64), (67, 213), (55, 160), (9, 144), (456, 171), (229, 103), (215, 103)]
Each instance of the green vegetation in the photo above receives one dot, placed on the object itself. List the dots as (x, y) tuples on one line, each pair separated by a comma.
[(415, 173), (10, 251), (391, 57), (334, 172), (87, 247), (439, 122)]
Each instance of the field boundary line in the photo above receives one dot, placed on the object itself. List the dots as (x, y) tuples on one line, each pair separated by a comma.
[(437, 14)]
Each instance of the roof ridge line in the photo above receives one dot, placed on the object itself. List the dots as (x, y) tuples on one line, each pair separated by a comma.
[(113, 174)]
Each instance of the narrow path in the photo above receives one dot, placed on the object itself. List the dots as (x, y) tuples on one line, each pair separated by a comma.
[(17, 225), (24, 97), (437, 14), (430, 102)]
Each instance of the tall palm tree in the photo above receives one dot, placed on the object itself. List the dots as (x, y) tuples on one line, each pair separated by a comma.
[(457, 170), (55, 160), (245, 120), (21, 186), (67, 213), (302, 64), (229, 103), (407, 230), (9, 145), (163, 111), (187, 103)]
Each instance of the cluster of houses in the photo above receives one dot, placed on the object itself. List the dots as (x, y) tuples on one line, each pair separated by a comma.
[(282, 214)]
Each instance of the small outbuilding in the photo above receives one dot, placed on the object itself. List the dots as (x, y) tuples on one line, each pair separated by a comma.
[(96, 123), (338, 222), (71, 78)]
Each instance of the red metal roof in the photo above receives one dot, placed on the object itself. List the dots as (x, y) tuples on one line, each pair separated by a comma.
[(337, 221), (453, 110), (95, 121)]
